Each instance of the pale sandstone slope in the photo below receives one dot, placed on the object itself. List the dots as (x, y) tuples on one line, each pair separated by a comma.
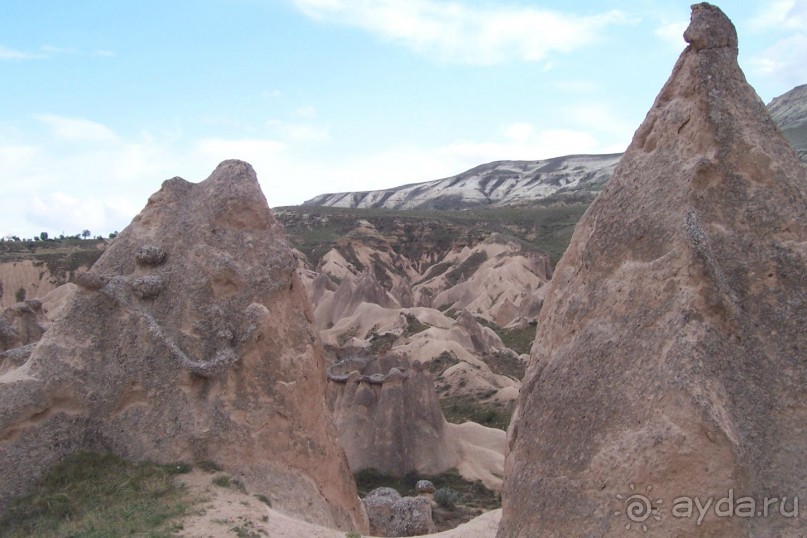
[(671, 349), (191, 339)]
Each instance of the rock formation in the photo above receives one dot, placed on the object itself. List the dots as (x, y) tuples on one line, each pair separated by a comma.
[(671, 356), (393, 515), (191, 339), (389, 418)]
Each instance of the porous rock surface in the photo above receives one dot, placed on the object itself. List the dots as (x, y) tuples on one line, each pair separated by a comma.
[(191, 339), (393, 515), (672, 352)]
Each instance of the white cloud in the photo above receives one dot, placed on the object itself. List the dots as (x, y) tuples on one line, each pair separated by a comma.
[(781, 15), (52, 50), (101, 187), (672, 33), (308, 112), (11, 54), (80, 129), (467, 34), (784, 61)]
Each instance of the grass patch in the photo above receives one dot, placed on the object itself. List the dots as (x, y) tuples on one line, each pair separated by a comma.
[(381, 343), (100, 495), (226, 481), (519, 340), (467, 268), (442, 362), (506, 364), (458, 409), (264, 499), (209, 466), (413, 325)]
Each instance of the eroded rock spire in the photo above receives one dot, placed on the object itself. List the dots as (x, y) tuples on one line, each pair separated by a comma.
[(671, 356)]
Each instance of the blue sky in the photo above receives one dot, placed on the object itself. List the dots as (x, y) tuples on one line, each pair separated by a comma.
[(102, 100)]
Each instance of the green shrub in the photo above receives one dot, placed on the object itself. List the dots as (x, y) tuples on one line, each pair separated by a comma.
[(446, 497)]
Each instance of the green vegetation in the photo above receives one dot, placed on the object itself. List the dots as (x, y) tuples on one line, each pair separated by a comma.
[(99, 495), (469, 498), (463, 408), (226, 481), (19, 295), (264, 499), (209, 466), (413, 325), (519, 340), (442, 362), (506, 364), (545, 225), (446, 497), (467, 268)]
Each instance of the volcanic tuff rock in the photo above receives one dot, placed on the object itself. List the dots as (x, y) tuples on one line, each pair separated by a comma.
[(393, 515), (671, 351), (388, 416), (191, 339)]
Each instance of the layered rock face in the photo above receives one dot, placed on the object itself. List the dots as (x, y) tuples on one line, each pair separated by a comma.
[(191, 339), (671, 352)]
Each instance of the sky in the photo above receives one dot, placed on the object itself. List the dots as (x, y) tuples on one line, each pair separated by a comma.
[(100, 101)]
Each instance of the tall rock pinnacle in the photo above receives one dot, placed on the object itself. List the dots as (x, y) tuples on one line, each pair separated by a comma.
[(191, 340), (670, 364)]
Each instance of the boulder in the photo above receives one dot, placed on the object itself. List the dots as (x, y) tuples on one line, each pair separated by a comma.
[(191, 339), (393, 515), (670, 362)]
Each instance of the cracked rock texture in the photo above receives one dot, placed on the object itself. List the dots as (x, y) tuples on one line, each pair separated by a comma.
[(671, 349), (190, 339)]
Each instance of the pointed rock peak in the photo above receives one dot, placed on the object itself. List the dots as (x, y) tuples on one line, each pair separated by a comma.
[(709, 28), (191, 329), (674, 321)]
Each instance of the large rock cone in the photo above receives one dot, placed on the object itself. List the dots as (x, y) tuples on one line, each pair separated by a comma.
[(672, 348), (191, 340)]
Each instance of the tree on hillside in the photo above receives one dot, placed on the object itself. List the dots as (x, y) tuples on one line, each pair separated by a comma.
[(43, 236), (85, 234)]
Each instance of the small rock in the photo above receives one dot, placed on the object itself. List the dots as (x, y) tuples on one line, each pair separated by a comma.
[(148, 287), (150, 255), (424, 486), (91, 281)]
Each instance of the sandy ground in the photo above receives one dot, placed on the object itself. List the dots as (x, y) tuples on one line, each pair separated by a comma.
[(226, 512)]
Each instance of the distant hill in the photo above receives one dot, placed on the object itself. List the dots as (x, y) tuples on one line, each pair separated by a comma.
[(574, 178), (497, 183), (789, 111)]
